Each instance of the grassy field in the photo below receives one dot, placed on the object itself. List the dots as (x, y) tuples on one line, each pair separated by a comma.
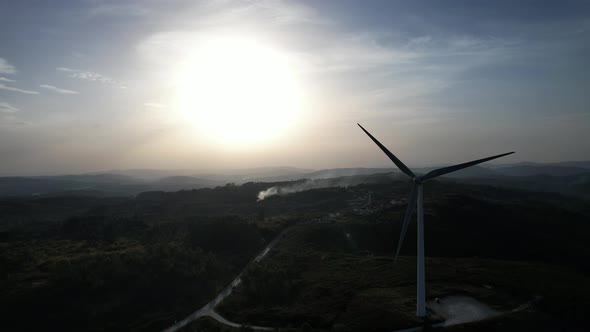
[(333, 285), (141, 263)]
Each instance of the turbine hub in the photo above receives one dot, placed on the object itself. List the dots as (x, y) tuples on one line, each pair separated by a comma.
[(417, 180)]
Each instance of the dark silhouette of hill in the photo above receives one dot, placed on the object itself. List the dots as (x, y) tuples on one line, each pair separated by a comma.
[(138, 263), (108, 183), (183, 182), (572, 185), (530, 170), (580, 164), (569, 178), (97, 184)]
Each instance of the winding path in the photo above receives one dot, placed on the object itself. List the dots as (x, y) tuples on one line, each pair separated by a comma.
[(209, 308), (452, 317)]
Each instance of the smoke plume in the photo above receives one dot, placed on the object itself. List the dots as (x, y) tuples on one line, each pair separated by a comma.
[(308, 184), (277, 190)]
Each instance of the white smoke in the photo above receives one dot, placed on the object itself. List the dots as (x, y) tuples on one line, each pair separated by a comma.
[(306, 185), (276, 190), (268, 192), (329, 180)]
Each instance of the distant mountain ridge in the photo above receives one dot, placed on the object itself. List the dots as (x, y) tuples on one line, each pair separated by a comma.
[(96, 184), (580, 163), (531, 170), (561, 177)]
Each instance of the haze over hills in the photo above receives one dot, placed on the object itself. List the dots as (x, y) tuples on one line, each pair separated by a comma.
[(566, 178), (218, 174), (143, 263), (529, 170), (581, 164)]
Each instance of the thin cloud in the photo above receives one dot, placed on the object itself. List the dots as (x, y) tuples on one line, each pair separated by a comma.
[(270, 13), (87, 75), (118, 10), (7, 108), (13, 89), (154, 105), (11, 120), (6, 68), (4, 79), (274, 12), (58, 90)]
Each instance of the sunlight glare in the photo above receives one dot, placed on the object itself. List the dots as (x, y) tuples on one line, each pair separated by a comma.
[(238, 91)]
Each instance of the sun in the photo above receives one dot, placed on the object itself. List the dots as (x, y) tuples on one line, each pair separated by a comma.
[(237, 91)]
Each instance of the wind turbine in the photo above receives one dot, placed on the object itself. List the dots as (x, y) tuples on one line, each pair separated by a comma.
[(416, 197)]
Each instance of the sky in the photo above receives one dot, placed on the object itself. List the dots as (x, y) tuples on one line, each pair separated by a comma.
[(94, 85)]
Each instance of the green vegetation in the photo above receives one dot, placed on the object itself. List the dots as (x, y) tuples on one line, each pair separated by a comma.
[(498, 246), (141, 263), (118, 264), (144, 281), (330, 289)]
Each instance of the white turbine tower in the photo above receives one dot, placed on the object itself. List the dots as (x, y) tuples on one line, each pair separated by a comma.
[(416, 197)]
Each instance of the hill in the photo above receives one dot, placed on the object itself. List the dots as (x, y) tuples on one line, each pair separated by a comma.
[(564, 178), (140, 263)]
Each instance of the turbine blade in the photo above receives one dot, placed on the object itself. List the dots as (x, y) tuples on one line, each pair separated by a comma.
[(393, 158), (449, 169), (409, 212)]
